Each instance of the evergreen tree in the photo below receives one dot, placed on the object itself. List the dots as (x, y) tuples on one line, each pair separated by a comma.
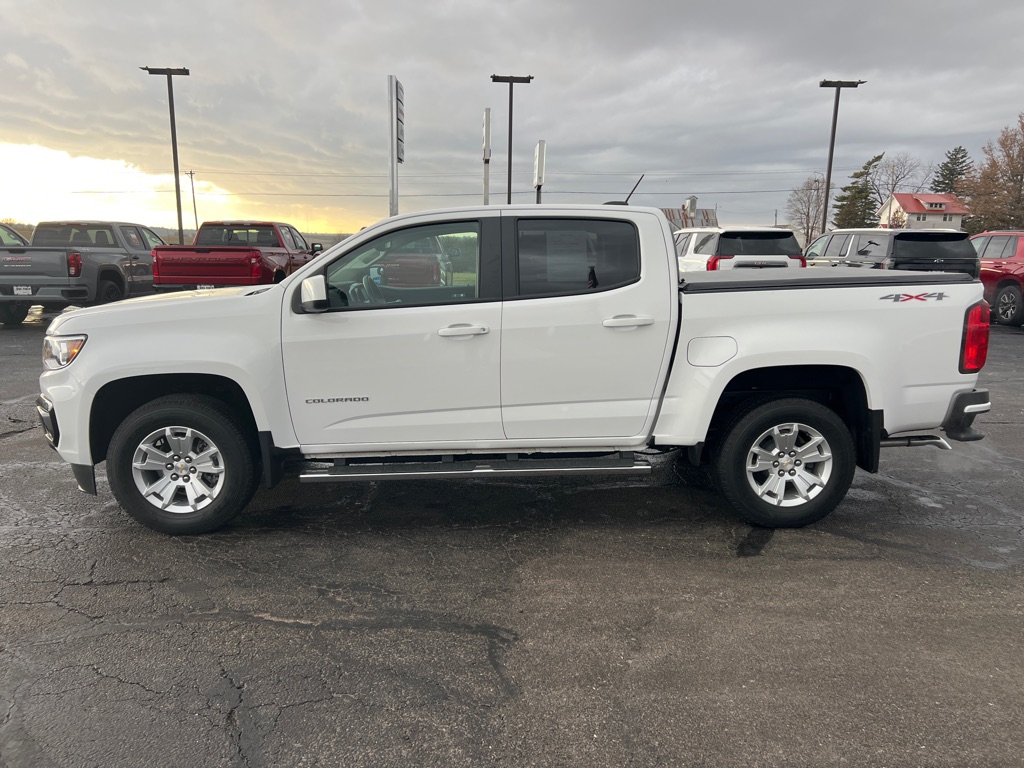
[(855, 205), (952, 171)]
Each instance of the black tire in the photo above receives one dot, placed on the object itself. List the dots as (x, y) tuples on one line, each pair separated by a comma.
[(204, 501), (818, 474), (108, 291), (12, 315), (1008, 309)]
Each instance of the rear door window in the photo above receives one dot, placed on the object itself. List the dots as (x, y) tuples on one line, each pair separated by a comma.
[(1000, 247), (566, 256), (836, 246), (133, 237), (870, 247)]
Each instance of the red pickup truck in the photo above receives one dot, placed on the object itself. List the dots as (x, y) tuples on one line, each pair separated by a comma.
[(232, 253), (1002, 273)]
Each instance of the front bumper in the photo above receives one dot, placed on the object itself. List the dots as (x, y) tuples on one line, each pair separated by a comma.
[(85, 474), (966, 406)]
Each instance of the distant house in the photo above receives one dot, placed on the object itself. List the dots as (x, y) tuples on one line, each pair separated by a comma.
[(918, 211)]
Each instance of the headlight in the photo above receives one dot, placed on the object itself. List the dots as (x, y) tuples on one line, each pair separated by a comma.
[(58, 351)]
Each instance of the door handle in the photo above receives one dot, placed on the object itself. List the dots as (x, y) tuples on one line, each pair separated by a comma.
[(627, 321), (464, 330)]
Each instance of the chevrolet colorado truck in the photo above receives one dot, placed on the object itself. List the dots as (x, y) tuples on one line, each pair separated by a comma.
[(232, 253), (75, 262), (565, 344)]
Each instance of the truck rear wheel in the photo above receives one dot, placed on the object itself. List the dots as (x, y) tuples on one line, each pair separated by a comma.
[(181, 465), (784, 463), (108, 291), (13, 314)]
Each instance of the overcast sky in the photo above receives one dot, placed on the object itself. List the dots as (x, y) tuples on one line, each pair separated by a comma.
[(285, 112)]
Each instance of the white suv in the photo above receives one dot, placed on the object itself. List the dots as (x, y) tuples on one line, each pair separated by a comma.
[(702, 248)]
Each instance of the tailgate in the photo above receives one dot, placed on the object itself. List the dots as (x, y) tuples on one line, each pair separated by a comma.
[(217, 266), (23, 270), (935, 252)]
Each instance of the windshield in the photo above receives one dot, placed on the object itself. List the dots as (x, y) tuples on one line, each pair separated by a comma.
[(779, 243), (933, 245)]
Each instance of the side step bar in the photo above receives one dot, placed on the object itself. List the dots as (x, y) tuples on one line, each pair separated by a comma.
[(913, 441), (448, 467)]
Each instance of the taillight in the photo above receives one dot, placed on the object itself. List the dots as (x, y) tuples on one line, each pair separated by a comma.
[(435, 273), (156, 269), (713, 261), (74, 264), (801, 259), (254, 265), (974, 347)]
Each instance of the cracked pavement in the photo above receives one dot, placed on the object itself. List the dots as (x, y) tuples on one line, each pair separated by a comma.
[(538, 622)]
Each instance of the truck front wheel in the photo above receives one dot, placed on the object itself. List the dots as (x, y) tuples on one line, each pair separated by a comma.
[(784, 463), (181, 465)]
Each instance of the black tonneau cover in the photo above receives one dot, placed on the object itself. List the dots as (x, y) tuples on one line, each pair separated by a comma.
[(789, 279)]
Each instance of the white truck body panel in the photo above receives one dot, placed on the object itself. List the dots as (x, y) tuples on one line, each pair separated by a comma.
[(910, 375)]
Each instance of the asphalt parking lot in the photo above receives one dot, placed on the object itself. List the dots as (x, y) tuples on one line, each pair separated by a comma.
[(538, 622)]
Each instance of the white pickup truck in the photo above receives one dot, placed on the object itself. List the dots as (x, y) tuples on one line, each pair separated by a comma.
[(564, 343)]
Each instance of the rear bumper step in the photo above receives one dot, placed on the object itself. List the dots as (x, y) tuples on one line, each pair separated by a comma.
[(481, 468), (914, 441)]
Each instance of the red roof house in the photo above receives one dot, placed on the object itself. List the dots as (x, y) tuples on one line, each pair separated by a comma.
[(918, 210)]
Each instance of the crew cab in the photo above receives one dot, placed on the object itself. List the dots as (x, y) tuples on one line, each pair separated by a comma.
[(75, 263), (232, 253), (565, 344), (1002, 273)]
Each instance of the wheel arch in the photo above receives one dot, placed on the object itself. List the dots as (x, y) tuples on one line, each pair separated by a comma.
[(116, 399), (839, 388)]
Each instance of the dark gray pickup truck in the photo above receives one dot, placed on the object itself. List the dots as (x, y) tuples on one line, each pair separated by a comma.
[(75, 263)]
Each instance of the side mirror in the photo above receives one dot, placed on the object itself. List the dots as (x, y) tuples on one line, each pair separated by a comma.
[(313, 295), (316, 247)]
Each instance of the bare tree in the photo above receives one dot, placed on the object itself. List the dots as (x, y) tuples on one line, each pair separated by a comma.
[(804, 207), (899, 173), (994, 191)]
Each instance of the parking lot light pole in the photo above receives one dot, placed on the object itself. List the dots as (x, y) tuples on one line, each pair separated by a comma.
[(838, 85), (511, 80), (170, 72)]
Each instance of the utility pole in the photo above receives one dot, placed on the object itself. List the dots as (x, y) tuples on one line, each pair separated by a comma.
[(195, 212), (487, 156), (170, 72)]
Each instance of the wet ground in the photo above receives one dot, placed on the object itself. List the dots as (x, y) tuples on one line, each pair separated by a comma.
[(537, 622)]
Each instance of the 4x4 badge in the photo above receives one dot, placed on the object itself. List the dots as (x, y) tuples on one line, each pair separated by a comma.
[(903, 297)]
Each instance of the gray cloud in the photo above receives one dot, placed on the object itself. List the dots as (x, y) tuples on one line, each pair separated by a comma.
[(718, 99)]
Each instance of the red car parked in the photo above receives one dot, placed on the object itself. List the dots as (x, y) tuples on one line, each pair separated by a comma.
[(1002, 273)]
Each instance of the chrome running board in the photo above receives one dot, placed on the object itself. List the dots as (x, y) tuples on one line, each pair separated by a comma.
[(450, 467)]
